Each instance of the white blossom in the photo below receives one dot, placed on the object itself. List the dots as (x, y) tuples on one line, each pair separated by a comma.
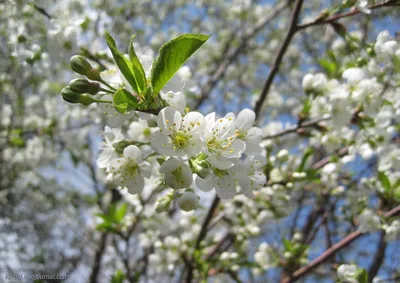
[(179, 136), (130, 169)]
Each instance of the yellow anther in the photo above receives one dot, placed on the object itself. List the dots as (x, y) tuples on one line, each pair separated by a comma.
[(166, 121)]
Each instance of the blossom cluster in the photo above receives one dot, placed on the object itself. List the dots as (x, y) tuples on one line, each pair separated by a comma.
[(189, 149), (222, 153)]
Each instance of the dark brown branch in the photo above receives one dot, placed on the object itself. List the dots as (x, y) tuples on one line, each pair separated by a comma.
[(279, 56), (220, 70), (218, 246), (97, 258), (322, 21), (42, 11), (340, 153), (379, 257), (293, 29), (297, 128), (202, 234), (331, 251), (297, 213), (207, 220)]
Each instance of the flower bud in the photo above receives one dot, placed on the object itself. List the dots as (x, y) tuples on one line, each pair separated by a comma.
[(299, 176), (84, 86), (82, 66), (73, 97), (163, 204), (70, 96), (287, 255), (371, 51), (361, 62), (283, 155), (86, 99), (297, 237), (307, 82), (200, 166), (188, 201)]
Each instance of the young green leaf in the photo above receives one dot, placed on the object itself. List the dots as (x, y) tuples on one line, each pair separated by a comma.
[(361, 275), (138, 70), (118, 277), (172, 56), (124, 65), (120, 213), (329, 66), (124, 101), (384, 180), (288, 245)]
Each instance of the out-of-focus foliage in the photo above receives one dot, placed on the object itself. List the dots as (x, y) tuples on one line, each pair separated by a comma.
[(330, 147)]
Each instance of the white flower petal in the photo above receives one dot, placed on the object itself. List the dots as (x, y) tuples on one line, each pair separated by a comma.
[(225, 188), (105, 157), (176, 100), (235, 150), (220, 162), (162, 144), (197, 145), (245, 119), (145, 169), (224, 128), (206, 184), (136, 184), (132, 152), (169, 119), (194, 122), (170, 165)]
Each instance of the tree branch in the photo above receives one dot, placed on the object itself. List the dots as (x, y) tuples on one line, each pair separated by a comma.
[(279, 56), (379, 257), (322, 21), (332, 250), (202, 234), (97, 258), (220, 70), (297, 128)]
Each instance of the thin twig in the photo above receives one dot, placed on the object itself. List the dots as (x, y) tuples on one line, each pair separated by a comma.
[(297, 128), (332, 250), (322, 21), (202, 234), (220, 70), (279, 56)]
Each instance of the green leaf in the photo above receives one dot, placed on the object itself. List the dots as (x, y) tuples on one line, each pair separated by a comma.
[(104, 226), (384, 180), (361, 275), (288, 245), (120, 213), (172, 56), (307, 106), (309, 151), (299, 249), (124, 101), (105, 217), (124, 65), (138, 70), (118, 277), (329, 66)]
